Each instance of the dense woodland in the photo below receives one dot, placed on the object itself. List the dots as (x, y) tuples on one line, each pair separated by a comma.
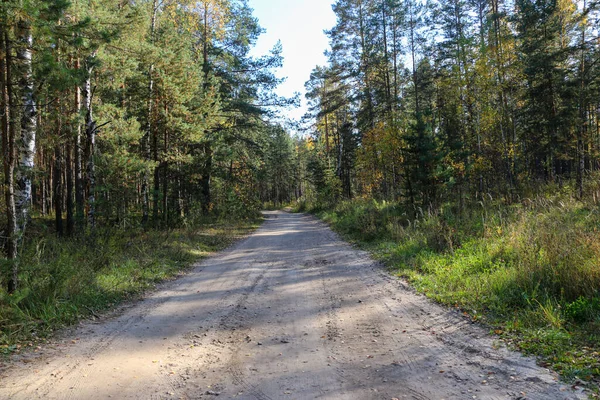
[(122, 114), (458, 140), (128, 113), (449, 101)]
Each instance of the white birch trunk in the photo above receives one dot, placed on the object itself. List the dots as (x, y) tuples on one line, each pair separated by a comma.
[(26, 143)]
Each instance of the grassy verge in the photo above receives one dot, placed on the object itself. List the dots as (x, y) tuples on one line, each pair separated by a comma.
[(530, 271), (65, 280)]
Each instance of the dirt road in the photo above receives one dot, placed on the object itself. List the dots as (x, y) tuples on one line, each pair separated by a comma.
[(290, 313)]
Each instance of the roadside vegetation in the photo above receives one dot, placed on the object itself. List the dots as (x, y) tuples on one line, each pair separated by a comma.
[(65, 281), (528, 270)]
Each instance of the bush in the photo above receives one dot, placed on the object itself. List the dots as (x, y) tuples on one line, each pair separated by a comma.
[(584, 310)]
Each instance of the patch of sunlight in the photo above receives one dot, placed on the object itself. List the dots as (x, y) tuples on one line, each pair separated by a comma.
[(199, 253)]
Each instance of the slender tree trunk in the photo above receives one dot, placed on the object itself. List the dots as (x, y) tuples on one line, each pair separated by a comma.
[(79, 190), (8, 151), (28, 124), (69, 181), (395, 51), (156, 191), (150, 127), (49, 183), (205, 182), (388, 84), (90, 132), (206, 179), (180, 205), (26, 144), (165, 194), (582, 129), (44, 196), (327, 145), (413, 53), (365, 67), (504, 123), (58, 191), (165, 173)]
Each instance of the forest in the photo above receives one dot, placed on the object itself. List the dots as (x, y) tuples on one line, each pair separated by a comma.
[(452, 100), (133, 133), (457, 140)]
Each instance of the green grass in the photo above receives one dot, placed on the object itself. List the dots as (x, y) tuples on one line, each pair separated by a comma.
[(531, 271), (65, 280)]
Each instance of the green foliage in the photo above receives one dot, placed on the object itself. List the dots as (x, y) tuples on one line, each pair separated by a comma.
[(584, 309), (236, 203), (277, 179), (327, 185), (446, 100), (177, 102)]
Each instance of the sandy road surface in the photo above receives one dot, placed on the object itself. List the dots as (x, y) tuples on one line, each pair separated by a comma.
[(290, 313)]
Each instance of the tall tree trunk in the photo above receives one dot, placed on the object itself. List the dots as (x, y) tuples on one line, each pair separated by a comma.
[(327, 144), (505, 119), (413, 53), (8, 151), (79, 190), (180, 199), (365, 67), (388, 85), (165, 194), (205, 182), (156, 190), (165, 172), (49, 183), (395, 56), (69, 181), (44, 196), (206, 179), (582, 123), (90, 132), (150, 127), (58, 190), (26, 145), (28, 124)]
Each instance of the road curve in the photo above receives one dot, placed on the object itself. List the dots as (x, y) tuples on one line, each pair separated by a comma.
[(292, 312)]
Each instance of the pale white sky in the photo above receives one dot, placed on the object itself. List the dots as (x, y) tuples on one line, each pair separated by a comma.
[(299, 24)]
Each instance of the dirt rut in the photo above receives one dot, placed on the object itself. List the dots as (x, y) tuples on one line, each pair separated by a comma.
[(292, 312)]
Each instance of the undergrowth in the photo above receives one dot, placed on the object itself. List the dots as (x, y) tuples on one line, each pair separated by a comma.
[(531, 271), (65, 280)]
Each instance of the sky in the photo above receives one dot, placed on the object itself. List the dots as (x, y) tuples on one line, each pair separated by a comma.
[(299, 25)]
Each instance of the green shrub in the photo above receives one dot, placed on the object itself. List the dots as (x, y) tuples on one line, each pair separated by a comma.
[(583, 310)]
